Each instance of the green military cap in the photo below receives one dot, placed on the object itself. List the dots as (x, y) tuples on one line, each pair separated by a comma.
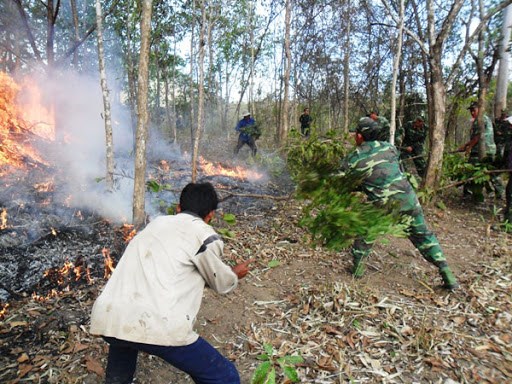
[(367, 125)]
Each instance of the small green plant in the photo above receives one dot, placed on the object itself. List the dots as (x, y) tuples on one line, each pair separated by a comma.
[(229, 218), (155, 187), (266, 372), (273, 263)]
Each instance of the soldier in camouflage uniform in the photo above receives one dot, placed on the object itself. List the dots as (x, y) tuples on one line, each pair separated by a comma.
[(384, 124), (383, 182), (415, 133), (471, 148)]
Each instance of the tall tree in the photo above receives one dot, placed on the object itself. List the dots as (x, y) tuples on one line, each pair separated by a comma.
[(500, 103), (284, 127), (109, 178), (200, 107), (139, 190)]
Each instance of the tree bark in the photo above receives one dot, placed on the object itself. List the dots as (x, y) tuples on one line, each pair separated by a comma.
[(109, 149), (284, 126), (500, 103), (200, 101), (396, 66), (139, 213)]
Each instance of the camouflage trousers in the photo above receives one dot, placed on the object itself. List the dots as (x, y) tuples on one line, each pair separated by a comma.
[(418, 233)]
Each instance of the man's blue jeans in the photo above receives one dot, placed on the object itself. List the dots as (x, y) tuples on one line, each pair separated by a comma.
[(200, 360)]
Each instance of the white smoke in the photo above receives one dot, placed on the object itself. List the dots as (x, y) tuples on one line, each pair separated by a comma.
[(80, 151)]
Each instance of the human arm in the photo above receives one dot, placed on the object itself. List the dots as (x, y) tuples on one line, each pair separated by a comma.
[(208, 261), (242, 269)]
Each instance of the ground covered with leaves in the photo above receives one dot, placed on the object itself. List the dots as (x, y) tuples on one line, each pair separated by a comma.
[(395, 325)]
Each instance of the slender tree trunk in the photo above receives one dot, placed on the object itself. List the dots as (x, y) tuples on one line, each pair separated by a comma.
[(200, 101), (396, 66), (132, 87), (192, 87), (139, 190), (173, 78), (283, 131), (500, 103), (76, 26), (346, 69), (252, 106), (52, 11), (109, 178)]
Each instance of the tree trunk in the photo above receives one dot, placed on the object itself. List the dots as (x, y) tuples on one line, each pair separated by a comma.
[(200, 101), (346, 69), (74, 15), (284, 127), (192, 87), (109, 149), (139, 190), (130, 72), (396, 66), (500, 103), (438, 130)]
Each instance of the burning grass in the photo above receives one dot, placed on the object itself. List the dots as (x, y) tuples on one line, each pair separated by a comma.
[(22, 119)]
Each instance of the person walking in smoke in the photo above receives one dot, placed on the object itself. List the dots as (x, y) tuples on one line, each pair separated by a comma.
[(248, 133), (151, 301), (377, 163)]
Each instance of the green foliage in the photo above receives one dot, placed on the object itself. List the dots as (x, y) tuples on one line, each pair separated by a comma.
[(457, 168), (225, 233), (229, 218), (273, 263), (172, 209), (155, 187), (320, 156), (266, 372), (335, 213)]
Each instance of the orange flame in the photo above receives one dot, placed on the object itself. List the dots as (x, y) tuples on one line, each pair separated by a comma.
[(22, 118), (3, 219), (3, 310), (109, 263), (129, 232), (238, 172)]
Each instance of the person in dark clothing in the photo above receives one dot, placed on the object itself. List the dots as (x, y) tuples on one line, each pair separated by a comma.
[(248, 133), (305, 123), (415, 133)]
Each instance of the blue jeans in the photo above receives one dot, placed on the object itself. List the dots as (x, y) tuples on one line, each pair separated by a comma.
[(200, 360)]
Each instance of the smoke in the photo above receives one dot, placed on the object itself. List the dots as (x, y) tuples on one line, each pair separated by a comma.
[(79, 151)]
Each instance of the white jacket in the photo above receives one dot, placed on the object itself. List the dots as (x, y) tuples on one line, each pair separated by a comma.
[(155, 292)]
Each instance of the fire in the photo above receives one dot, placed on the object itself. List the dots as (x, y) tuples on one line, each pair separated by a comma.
[(129, 232), (23, 118), (109, 263), (69, 271), (3, 310), (3, 219), (238, 172)]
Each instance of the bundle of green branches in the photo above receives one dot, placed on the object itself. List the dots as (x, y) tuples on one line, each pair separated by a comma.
[(335, 213), (457, 168)]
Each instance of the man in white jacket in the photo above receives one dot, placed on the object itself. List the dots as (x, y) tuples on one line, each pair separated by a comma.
[(151, 301)]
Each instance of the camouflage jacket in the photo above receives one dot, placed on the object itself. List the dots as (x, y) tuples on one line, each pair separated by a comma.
[(414, 138), (490, 146), (378, 164)]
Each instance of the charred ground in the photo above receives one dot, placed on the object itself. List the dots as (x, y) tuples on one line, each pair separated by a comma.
[(394, 325)]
